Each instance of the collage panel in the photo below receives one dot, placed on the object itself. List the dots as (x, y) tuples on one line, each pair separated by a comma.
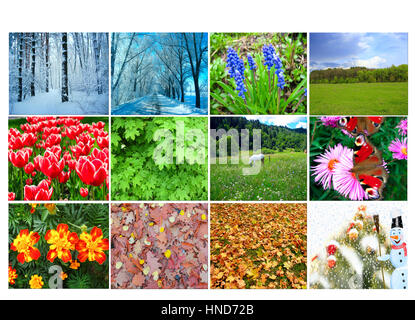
[(358, 245), (258, 246), (359, 73), (56, 246), (258, 73), (159, 246), (61, 73), (258, 158), (358, 158), (159, 158), (58, 158), (159, 73)]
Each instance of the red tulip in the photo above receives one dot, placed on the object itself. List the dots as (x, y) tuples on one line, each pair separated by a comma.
[(29, 168), (103, 142), (50, 165), (39, 192), (91, 172), (19, 158), (84, 192), (29, 181), (12, 196), (64, 176)]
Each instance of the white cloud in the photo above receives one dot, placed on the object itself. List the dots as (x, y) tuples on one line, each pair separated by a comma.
[(374, 62), (301, 125)]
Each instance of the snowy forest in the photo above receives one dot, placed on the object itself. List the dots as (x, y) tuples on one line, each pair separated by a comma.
[(163, 73), (58, 73)]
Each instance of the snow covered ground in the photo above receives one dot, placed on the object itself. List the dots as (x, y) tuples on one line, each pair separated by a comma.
[(158, 104), (50, 104)]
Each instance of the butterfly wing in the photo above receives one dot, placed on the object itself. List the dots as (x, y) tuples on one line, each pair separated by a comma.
[(368, 167), (358, 125)]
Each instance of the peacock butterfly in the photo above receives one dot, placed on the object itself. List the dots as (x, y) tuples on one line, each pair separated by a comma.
[(368, 167), (357, 125)]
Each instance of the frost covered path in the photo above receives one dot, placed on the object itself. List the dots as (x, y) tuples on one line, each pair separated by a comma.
[(158, 104)]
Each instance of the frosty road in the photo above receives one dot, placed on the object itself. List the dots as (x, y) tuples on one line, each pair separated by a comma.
[(158, 104)]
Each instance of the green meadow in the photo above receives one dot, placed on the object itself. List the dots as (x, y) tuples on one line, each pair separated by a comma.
[(282, 177), (387, 98)]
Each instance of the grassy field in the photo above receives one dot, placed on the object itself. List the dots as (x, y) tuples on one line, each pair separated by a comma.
[(283, 177), (359, 99)]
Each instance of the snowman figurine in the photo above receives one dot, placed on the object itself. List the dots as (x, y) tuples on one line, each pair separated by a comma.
[(398, 255)]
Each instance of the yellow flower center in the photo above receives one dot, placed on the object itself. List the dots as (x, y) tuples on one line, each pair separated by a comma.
[(331, 164), (404, 151)]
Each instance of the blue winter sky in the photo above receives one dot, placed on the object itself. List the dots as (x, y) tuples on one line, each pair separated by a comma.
[(291, 122), (345, 50)]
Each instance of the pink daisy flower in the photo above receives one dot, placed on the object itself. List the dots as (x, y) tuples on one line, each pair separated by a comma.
[(345, 181), (403, 127), (327, 162), (399, 149)]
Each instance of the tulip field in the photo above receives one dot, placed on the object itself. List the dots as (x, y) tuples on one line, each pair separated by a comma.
[(58, 158)]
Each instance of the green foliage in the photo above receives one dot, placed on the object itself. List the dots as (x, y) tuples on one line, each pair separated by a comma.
[(360, 74), (359, 99), (89, 274), (135, 173), (263, 95), (321, 137)]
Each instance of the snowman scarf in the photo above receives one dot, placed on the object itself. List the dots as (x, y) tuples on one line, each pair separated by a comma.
[(402, 246)]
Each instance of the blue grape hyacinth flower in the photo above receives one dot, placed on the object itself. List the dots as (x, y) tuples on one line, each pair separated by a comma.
[(236, 70), (251, 62), (268, 52)]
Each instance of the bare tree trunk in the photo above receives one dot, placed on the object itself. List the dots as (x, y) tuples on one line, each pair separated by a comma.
[(97, 64), (20, 77), (32, 83), (47, 61), (65, 90)]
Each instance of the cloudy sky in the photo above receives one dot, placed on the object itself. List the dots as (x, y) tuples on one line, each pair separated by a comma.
[(291, 122), (345, 50)]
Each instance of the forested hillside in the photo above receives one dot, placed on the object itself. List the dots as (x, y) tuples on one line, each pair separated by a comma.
[(360, 74), (273, 138)]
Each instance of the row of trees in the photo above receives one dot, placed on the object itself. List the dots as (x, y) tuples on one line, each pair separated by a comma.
[(360, 74), (273, 138), (41, 62), (147, 63)]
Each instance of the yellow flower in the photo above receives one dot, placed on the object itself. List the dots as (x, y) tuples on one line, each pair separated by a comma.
[(64, 275), (12, 275), (61, 242), (36, 282), (24, 245), (167, 254), (51, 208), (203, 217), (162, 229), (142, 261), (74, 264), (92, 245), (182, 213)]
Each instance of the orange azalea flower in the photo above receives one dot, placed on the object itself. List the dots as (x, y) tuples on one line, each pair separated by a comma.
[(92, 246), (36, 282), (74, 264), (61, 241), (64, 275), (24, 245), (12, 275)]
